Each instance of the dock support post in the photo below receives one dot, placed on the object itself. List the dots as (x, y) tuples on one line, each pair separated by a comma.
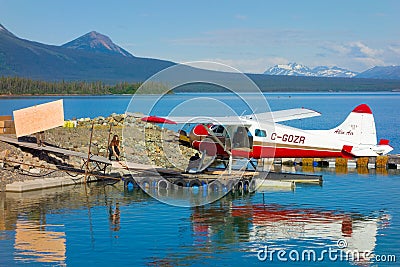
[(230, 165), (88, 158), (108, 142)]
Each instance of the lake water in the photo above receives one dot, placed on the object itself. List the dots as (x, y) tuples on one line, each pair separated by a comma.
[(334, 107), (103, 225)]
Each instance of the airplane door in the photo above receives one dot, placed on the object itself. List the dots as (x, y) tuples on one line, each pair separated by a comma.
[(242, 138)]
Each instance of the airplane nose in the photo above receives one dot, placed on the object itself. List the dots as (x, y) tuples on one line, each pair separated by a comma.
[(200, 130), (198, 133)]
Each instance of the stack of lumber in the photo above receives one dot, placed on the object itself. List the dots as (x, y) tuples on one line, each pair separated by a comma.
[(7, 125)]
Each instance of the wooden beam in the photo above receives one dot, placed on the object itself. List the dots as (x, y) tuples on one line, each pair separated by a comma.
[(5, 118)]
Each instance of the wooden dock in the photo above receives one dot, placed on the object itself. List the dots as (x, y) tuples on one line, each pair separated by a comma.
[(148, 175)]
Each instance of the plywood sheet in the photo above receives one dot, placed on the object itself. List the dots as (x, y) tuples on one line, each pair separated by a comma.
[(38, 118)]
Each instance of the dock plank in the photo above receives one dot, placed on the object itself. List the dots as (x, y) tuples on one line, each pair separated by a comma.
[(53, 149)]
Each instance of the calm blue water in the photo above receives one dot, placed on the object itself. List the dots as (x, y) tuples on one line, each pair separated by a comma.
[(334, 107), (106, 225)]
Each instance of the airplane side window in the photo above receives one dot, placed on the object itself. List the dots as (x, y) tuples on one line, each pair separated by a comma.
[(260, 133), (218, 129)]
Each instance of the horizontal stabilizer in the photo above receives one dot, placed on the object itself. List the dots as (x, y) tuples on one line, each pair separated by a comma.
[(373, 151)]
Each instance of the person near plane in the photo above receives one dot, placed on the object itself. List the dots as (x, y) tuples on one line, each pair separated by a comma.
[(40, 138), (114, 148)]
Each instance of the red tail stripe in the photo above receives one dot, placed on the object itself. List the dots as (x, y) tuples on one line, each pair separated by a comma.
[(363, 108)]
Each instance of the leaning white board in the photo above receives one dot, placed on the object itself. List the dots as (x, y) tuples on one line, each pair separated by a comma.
[(38, 118)]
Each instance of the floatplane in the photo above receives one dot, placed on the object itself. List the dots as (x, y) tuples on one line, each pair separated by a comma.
[(259, 136)]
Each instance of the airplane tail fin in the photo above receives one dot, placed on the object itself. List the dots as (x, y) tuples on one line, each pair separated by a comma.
[(358, 127)]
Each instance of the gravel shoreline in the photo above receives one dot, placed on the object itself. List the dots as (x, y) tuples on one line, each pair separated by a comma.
[(141, 142)]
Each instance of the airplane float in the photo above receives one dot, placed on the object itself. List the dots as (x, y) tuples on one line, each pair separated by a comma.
[(260, 136)]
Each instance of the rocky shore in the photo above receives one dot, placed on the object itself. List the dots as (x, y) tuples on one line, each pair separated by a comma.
[(141, 142)]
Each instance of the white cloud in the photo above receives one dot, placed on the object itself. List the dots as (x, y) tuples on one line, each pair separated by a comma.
[(395, 48), (357, 55), (359, 49), (337, 48), (353, 49)]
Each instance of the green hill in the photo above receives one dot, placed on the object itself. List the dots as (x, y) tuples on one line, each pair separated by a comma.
[(23, 58)]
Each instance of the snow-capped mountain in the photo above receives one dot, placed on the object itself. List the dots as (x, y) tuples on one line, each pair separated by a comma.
[(294, 69), (323, 71)]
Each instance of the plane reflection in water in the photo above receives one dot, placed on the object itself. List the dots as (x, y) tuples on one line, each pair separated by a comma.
[(221, 224), (275, 225), (234, 225)]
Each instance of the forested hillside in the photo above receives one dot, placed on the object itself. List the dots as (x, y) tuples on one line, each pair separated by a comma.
[(24, 86)]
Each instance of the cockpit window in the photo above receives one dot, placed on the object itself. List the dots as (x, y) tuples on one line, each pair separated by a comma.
[(218, 129), (261, 133)]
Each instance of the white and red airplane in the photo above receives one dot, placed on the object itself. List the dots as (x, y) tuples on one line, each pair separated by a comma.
[(260, 136)]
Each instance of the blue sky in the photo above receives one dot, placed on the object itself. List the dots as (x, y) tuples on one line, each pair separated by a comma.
[(248, 35)]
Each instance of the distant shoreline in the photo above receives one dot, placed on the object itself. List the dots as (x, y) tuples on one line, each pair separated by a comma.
[(41, 95), (22, 95)]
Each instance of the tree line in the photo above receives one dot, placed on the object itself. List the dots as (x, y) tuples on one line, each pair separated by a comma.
[(25, 86)]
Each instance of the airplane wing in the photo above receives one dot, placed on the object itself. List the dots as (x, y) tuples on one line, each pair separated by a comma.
[(285, 115), (223, 120), (274, 116)]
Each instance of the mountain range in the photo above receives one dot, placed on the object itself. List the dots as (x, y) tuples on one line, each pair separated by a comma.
[(90, 57), (294, 69), (94, 56)]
